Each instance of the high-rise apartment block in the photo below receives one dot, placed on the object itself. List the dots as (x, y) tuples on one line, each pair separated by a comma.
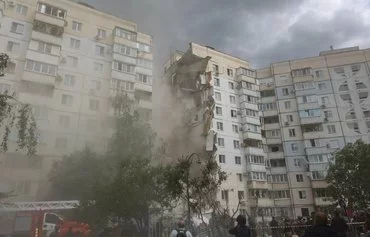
[(68, 61), (276, 128)]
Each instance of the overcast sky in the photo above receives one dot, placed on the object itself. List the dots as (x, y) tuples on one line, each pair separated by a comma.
[(261, 31)]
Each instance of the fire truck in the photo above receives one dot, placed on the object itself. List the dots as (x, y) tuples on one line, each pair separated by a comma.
[(39, 219)]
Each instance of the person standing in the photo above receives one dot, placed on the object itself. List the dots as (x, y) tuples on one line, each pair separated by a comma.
[(181, 231), (339, 224), (320, 227), (274, 227), (241, 229)]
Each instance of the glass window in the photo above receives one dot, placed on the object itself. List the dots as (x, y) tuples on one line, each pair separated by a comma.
[(331, 129), (238, 160), (236, 144), (218, 110), (221, 142), (67, 100), (218, 96), (13, 47), (232, 99), (292, 132), (299, 178), (217, 82), (302, 194), (235, 128), (76, 26), (231, 85), (99, 50), (294, 146), (222, 158), (69, 80), (220, 126), (102, 34), (75, 43), (17, 28), (125, 34), (21, 9), (98, 67)]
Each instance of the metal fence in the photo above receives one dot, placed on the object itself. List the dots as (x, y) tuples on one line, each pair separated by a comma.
[(354, 230)]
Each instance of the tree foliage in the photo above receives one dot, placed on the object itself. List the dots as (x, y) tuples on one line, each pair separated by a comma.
[(15, 116), (349, 176), (203, 180)]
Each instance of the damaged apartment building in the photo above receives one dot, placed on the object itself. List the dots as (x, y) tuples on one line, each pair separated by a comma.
[(274, 129)]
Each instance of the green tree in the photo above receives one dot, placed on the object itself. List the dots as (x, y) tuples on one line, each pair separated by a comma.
[(123, 184), (16, 116), (349, 176), (196, 184), (75, 176)]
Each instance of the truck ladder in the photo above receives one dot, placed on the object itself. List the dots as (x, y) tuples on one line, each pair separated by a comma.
[(38, 206)]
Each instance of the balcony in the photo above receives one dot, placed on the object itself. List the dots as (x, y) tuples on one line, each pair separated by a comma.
[(253, 184), (247, 105), (316, 150), (319, 184), (124, 58), (245, 91), (49, 19), (306, 106), (39, 78), (312, 135), (143, 70), (324, 201), (254, 151), (269, 113), (312, 120), (143, 87), (271, 126), (120, 40), (272, 141), (145, 104), (123, 76), (262, 202), (275, 155), (242, 77), (256, 167), (282, 202), (268, 86), (46, 38), (298, 79), (41, 57), (252, 135)]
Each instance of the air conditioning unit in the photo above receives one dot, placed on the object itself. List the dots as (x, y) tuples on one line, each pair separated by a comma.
[(241, 129), (292, 92), (239, 113), (326, 119), (286, 123), (63, 60), (328, 145), (323, 106)]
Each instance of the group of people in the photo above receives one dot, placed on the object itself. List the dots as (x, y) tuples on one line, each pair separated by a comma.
[(317, 226)]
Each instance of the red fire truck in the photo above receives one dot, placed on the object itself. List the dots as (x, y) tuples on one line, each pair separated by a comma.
[(37, 219)]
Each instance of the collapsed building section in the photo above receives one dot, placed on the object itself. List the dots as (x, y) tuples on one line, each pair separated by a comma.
[(191, 108)]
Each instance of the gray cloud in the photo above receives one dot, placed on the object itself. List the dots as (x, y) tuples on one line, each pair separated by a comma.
[(262, 31)]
